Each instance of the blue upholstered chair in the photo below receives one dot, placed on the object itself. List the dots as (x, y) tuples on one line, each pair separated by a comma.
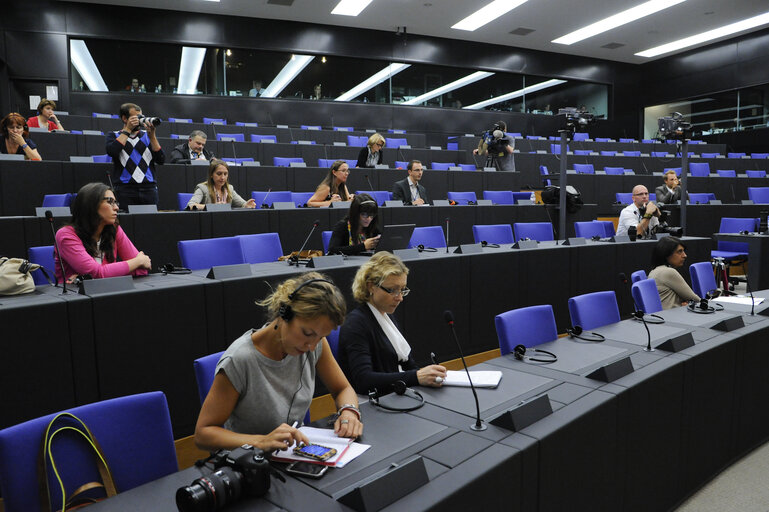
[(310, 127), (499, 196), (333, 342), (264, 197), (659, 154), (300, 198), (134, 433), (593, 310), (357, 141), (750, 173), (759, 195), (539, 231), (179, 120), (395, 143), (578, 136), (589, 229), (238, 160), (732, 251), (710, 155), (735, 155), (726, 173), (326, 238), (627, 140), (214, 120), (50, 200), (617, 171), (251, 124), (703, 278), (102, 159), (210, 252), (182, 198), (380, 196), (603, 139), (632, 153), (699, 169), (205, 371), (638, 275), (262, 138), (646, 296), (462, 197), (624, 197), (280, 161), (428, 236), (608, 153), (344, 128), (584, 168), (468, 167), (582, 152), (238, 137), (442, 166), (701, 197), (759, 155), (260, 247), (43, 256), (493, 233), (527, 326), (399, 164), (676, 169)]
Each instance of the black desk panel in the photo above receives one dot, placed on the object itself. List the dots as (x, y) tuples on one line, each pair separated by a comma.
[(59, 146), (758, 254), (13, 239), (23, 184), (158, 238)]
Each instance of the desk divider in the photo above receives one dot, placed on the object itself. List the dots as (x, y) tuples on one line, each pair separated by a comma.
[(387, 486)]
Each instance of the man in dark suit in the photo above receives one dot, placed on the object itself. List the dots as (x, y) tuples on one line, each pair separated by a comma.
[(409, 190), (670, 191), (193, 149)]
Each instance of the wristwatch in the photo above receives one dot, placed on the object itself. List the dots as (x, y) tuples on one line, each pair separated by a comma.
[(127, 134)]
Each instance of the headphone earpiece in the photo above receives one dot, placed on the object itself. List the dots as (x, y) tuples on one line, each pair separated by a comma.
[(400, 388), (577, 331), (284, 311), (484, 243), (519, 352)]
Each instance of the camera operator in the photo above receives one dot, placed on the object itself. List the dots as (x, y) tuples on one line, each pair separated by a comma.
[(135, 150), (670, 191), (497, 147), (643, 214)]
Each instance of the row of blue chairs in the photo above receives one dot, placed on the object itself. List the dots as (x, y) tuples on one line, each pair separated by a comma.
[(696, 169)]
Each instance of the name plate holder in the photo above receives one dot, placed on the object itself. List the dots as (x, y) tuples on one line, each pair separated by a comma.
[(526, 244), (340, 204), (575, 240), (677, 343), (334, 260), (524, 415), (92, 287), (612, 371), (620, 238), (394, 203), (387, 486), (219, 207), (469, 249), (729, 324), (407, 254), (142, 208), (228, 271)]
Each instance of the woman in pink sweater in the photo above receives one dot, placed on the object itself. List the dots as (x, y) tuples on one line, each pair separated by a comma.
[(94, 243)]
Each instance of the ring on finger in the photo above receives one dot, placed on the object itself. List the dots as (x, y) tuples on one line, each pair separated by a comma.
[(344, 422), (438, 379)]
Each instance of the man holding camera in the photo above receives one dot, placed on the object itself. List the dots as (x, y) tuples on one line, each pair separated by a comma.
[(497, 147), (135, 150), (670, 191), (642, 216)]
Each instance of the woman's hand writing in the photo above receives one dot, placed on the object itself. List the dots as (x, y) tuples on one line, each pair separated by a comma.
[(427, 376)]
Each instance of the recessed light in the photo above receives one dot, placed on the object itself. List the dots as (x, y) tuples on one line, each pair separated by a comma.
[(487, 14), (350, 7)]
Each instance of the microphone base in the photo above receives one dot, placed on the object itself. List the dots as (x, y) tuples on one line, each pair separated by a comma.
[(479, 428), (649, 349)]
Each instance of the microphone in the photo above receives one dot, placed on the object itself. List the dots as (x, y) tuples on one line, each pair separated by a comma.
[(233, 150), (637, 313), (49, 218), (369, 182), (752, 300), (109, 178), (448, 316), (265, 204), (552, 227), (295, 259), (447, 235)]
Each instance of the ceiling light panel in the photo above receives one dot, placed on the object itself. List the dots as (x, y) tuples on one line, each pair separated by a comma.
[(189, 69), (726, 30), (287, 74), (486, 14), (84, 64), (374, 80), (622, 18), (350, 7), (515, 94), (456, 84)]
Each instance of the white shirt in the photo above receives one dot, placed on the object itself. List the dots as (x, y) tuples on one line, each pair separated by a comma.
[(414, 190), (630, 216)]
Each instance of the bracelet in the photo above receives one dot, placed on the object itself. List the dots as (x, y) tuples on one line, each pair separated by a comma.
[(648, 216), (127, 134), (349, 407), (25, 146)]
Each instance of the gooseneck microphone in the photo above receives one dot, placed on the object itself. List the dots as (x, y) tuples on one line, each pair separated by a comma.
[(369, 182), (295, 259), (479, 424), (752, 300), (447, 235), (638, 314), (49, 218)]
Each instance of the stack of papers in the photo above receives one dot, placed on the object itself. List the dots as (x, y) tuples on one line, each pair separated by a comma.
[(346, 449), (489, 379), (737, 299)]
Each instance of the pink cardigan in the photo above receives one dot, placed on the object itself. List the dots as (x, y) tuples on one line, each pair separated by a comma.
[(78, 261)]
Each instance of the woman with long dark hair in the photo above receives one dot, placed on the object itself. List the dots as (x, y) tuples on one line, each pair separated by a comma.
[(94, 243), (333, 187), (667, 257), (359, 230), (217, 189)]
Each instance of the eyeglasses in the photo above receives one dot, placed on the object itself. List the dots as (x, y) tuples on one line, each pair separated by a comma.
[(367, 215), (402, 292), (346, 171), (111, 201)]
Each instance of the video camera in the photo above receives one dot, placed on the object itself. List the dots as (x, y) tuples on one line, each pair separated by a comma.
[(242, 471), (673, 126), (495, 139), (577, 118), (663, 226)]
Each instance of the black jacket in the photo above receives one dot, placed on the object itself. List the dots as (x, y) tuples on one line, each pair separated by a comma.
[(340, 240), (402, 191), (664, 195), (368, 358), (363, 156), (181, 154)]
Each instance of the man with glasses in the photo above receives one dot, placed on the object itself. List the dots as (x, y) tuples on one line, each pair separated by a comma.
[(642, 216), (410, 190), (193, 149)]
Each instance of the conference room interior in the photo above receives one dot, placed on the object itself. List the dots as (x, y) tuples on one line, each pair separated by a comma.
[(665, 401)]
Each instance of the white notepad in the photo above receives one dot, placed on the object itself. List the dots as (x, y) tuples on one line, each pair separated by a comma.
[(346, 449), (481, 379)]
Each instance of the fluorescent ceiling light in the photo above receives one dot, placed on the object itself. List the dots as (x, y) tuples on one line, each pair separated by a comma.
[(516, 94), (632, 14), (288, 73), (350, 7), (374, 80), (456, 84), (83, 62), (189, 69), (726, 30), (486, 14)]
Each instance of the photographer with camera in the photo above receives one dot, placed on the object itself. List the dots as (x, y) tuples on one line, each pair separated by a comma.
[(642, 216), (135, 151), (670, 191), (497, 147)]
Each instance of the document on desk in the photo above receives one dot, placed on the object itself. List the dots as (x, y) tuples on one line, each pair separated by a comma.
[(481, 379), (738, 299), (346, 449)]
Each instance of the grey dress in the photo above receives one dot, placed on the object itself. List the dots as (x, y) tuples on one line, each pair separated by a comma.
[(202, 196)]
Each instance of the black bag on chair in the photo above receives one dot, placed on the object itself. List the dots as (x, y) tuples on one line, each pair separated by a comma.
[(552, 195)]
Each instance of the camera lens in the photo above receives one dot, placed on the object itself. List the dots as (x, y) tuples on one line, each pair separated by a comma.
[(210, 493)]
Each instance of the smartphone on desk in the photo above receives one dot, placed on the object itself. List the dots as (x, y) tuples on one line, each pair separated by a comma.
[(315, 451), (306, 469)]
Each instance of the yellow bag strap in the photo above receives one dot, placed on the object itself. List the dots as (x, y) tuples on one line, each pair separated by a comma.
[(46, 454)]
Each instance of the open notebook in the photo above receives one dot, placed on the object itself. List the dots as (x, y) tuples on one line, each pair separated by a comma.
[(346, 449), (481, 379)]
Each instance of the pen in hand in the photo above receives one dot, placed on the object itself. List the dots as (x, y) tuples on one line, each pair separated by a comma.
[(432, 358)]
